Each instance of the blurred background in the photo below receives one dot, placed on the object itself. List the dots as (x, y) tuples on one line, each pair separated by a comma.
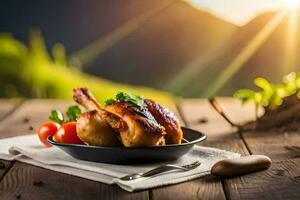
[(157, 48)]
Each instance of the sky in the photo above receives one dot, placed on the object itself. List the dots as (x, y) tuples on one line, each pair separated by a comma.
[(238, 12)]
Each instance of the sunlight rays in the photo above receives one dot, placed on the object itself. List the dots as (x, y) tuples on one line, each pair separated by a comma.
[(89, 53), (178, 83), (291, 41), (191, 70), (245, 54), (293, 4)]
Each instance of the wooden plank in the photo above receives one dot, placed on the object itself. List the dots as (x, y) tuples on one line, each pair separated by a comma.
[(204, 188), (198, 110), (282, 181), (7, 106), (30, 182), (192, 189), (29, 116), (279, 182), (252, 186), (4, 167), (220, 135), (277, 145), (19, 179)]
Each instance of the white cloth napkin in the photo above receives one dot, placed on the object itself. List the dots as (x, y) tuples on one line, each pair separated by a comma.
[(28, 149)]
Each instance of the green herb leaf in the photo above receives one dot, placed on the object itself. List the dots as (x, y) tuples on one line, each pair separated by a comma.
[(73, 113), (263, 84), (110, 101), (245, 95), (121, 96), (128, 97), (137, 100), (56, 116), (269, 94)]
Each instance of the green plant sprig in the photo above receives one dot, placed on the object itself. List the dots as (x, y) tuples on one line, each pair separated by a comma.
[(271, 95), (72, 113), (127, 97)]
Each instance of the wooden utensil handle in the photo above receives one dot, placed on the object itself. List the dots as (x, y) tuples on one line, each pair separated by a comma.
[(240, 166)]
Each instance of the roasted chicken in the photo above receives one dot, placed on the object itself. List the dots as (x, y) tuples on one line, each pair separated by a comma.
[(126, 123), (93, 130), (137, 126), (168, 120), (91, 127)]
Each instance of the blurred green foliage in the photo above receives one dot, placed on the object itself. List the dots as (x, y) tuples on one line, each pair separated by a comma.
[(271, 95), (31, 72)]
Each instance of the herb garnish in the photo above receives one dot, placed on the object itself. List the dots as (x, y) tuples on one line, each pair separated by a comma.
[(56, 116), (72, 113), (271, 95), (128, 97), (110, 101)]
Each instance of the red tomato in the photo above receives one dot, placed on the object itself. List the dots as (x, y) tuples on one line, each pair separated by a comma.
[(67, 134), (48, 128)]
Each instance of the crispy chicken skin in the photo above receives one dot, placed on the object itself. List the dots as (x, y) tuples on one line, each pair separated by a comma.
[(91, 127), (126, 123), (137, 126), (168, 120), (93, 130)]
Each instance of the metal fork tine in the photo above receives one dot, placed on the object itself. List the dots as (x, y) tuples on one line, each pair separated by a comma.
[(161, 169), (191, 165)]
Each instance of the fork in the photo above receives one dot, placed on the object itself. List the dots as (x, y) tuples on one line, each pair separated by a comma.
[(161, 169)]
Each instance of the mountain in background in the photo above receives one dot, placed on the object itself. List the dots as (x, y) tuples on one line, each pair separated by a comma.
[(162, 46), (179, 48), (218, 61), (183, 50), (274, 58)]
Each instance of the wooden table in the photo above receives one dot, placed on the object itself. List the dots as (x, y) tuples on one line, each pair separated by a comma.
[(281, 181)]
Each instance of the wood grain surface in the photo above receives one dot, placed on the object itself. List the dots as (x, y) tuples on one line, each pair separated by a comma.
[(196, 189), (19, 179), (281, 181), (6, 108)]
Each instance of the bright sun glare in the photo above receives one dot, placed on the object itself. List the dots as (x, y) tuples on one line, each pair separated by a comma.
[(292, 3)]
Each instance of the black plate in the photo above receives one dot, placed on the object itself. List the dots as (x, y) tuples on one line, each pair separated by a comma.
[(123, 155)]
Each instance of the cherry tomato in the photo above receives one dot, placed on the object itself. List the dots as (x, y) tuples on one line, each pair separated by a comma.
[(67, 134), (48, 128)]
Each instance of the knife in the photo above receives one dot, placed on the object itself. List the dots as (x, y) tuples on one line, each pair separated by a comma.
[(235, 167)]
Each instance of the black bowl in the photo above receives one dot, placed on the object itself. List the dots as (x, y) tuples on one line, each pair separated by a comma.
[(129, 155)]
